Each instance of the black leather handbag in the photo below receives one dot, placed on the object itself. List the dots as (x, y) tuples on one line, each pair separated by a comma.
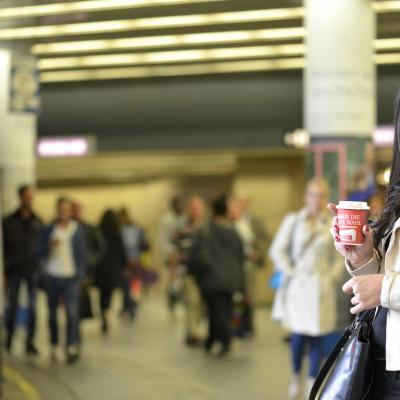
[(348, 372)]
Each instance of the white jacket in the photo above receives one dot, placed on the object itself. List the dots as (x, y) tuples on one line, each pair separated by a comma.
[(309, 305), (389, 265)]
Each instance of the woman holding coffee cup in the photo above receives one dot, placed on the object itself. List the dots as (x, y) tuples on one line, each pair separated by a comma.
[(374, 263)]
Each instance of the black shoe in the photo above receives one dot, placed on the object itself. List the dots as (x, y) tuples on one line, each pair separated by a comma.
[(224, 352), (104, 327), (31, 350), (72, 355), (208, 345), (193, 341), (8, 344)]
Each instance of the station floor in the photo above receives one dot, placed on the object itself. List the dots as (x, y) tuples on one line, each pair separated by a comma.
[(146, 360)]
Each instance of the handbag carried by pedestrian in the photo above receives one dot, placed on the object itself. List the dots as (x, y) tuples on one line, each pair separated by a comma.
[(347, 373)]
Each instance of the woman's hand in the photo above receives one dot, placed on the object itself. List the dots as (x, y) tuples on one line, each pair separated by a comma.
[(366, 291), (357, 255)]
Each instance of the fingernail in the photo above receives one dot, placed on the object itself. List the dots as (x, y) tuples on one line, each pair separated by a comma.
[(337, 239)]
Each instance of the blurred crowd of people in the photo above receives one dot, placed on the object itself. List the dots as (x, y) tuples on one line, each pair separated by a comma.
[(211, 256), (65, 258)]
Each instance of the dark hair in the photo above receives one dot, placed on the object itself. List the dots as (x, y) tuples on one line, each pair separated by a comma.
[(391, 212), (176, 203), (109, 223), (220, 206), (124, 217), (22, 189), (63, 199)]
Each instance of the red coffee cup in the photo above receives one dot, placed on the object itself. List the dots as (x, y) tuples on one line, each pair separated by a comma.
[(352, 216)]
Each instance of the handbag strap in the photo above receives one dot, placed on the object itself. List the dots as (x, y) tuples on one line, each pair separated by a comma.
[(366, 316), (329, 363)]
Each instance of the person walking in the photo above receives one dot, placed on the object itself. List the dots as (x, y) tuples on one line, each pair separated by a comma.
[(110, 269), (171, 222), (192, 301), (21, 232), (375, 268), (135, 243), (303, 252), (255, 238), (62, 250), (216, 260)]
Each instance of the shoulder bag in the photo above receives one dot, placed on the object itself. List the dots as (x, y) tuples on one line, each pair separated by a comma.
[(347, 373)]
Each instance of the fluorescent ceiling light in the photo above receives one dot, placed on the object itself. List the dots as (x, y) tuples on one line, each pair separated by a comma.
[(193, 69), (42, 10), (211, 38), (387, 59), (196, 69), (386, 6), (149, 23), (172, 56), (386, 44)]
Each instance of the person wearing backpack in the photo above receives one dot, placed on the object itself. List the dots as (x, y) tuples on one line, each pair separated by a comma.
[(216, 261), (303, 252)]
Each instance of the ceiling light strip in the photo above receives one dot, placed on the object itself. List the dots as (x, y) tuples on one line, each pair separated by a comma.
[(87, 28), (42, 10), (172, 56), (165, 41), (165, 71), (196, 69), (387, 59), (386, 6), (386, 44)]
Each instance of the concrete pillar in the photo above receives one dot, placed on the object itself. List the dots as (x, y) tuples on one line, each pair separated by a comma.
[(18, 106), (339, 87)]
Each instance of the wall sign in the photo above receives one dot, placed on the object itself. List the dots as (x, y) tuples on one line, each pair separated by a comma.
[(24, 85)]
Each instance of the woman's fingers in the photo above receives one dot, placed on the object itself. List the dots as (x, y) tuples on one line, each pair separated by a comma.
[(334, 228), (357, 309), (332, 208), (355, 300), (348, 286)]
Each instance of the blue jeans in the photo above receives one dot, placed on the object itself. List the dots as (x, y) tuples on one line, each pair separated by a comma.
[(13, 286), (68, 290), (315, 346)]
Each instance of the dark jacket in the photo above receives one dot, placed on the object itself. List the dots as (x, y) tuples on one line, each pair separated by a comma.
[(20, 238), (78, 248), (216, 259), (94, 246), (109, 270)]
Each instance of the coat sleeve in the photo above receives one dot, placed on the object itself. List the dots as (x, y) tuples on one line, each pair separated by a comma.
[(43, 246), (7, 246), (280, 247), (80, 253), (373, 266), (390, 293)]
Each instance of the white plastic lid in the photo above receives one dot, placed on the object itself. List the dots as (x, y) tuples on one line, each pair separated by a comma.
[(353, 205)]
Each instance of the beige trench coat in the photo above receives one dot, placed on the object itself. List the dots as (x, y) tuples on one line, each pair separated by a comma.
[(309, 261)]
